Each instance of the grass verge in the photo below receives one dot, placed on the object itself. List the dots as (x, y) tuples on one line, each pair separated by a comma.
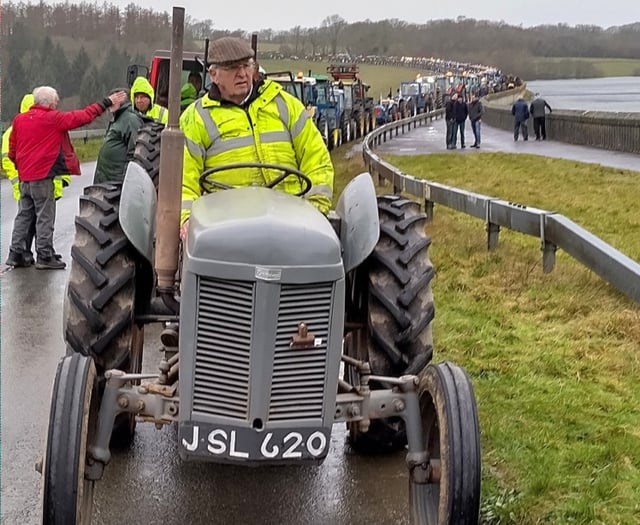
[(553, 358)]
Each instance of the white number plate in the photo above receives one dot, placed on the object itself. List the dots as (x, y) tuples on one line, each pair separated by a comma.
[(247, 444)]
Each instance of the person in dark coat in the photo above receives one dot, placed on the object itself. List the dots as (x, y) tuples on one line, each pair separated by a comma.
[(520, 112), (450, 119), (118, 145), (475, 116), (537, 110), (460, 114)]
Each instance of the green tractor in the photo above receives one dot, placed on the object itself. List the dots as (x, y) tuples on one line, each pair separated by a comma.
[(288, 322)]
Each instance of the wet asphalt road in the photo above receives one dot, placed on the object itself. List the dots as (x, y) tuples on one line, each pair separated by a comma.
[(149, 484), (431, 139)]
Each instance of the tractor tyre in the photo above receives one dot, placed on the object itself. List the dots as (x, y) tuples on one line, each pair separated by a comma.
[(99, 305), (399, 311), (451, 494), (68, 494), (147, 150)]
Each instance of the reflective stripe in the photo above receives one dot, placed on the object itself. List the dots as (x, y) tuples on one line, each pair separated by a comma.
[(269, 137), (209, 124), (299, 125), (161, 113), (321, 189), (186, 205), (283, 110), (6, 154), (194, 148), (222, 146)]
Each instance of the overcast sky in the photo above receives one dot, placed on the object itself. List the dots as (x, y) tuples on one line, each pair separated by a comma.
[(252, 15)]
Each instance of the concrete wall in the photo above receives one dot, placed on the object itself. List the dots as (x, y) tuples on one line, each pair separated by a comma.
[(598, 129)]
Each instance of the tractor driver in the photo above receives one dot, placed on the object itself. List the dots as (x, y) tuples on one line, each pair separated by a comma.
[(247, 119)]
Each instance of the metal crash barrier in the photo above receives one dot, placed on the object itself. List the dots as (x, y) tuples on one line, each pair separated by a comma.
[(553, 230)]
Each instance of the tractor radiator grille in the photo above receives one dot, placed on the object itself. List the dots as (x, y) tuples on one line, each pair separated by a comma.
[(297, 390), (223, 342)]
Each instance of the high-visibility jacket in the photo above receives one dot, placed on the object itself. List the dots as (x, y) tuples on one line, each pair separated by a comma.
[(155, 111), (59, 182), (275, 128)]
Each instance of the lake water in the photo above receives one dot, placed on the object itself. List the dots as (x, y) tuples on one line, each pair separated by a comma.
[(592, 94)]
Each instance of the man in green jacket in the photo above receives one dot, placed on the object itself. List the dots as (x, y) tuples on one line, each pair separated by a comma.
[(243, 118), (142, 95), (118, 145)]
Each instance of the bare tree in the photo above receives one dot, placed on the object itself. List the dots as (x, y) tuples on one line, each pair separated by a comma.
[(334, 25)]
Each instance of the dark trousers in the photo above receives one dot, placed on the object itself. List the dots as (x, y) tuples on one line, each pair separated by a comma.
[(458, 127), (520, 125), (450, 132), (540, 128), (476, 126), (37, 204)]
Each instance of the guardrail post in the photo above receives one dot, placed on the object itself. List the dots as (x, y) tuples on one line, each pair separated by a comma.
[(493, 234), (548, 248), (381, 180), (428, 209), (548, 256), (493, 230)]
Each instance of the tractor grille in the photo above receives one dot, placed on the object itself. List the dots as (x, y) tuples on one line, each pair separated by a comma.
[(223, 343), (297, 390)]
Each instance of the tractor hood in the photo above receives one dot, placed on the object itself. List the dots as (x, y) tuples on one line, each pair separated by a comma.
[(260, 226)]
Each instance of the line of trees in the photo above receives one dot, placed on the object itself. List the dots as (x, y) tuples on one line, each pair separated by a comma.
[(83, 49)]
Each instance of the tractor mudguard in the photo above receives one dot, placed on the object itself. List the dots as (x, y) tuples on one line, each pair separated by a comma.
[(359, 226), (138, 209)]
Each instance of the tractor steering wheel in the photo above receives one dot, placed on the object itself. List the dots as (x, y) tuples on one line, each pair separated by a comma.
[(207, 184)]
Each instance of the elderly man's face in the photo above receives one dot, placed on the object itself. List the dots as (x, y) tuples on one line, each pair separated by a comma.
[(142, 102), (234, 81)]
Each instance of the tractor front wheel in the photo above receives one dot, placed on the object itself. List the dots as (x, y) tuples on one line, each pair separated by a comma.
[(452, 437), (68, 495)]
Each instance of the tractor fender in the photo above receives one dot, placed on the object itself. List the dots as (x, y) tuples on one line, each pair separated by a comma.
[(137, 212), (359, 222)]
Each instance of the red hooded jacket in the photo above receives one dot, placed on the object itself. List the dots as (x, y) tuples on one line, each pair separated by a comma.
[(39, 144)]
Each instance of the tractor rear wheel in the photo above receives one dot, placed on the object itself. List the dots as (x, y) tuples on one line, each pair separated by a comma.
[(452, 438), (400, 309), (147, 150), (99, 305)]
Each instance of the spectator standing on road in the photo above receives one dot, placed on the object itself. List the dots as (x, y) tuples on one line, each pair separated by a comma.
[(460, 114), (142, 94), (538, 113), (449, 118), (41, 149), (59, 182), (119, 142), (475, 116), (520, 112)]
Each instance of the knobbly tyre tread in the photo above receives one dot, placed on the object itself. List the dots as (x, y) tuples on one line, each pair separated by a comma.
[(147, 149), (67, 495), (400, 310), (99, 306)]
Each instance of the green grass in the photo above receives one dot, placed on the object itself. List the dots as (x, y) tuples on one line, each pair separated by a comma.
[(607, 67), (380, 78), (553, 357)]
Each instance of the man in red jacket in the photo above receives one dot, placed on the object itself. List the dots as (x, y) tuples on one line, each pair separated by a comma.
[(40, 148)]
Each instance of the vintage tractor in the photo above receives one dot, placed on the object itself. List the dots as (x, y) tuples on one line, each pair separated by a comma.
[(270, 299)]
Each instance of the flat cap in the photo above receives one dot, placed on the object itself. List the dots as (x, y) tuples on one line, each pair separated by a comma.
[(229, 49)]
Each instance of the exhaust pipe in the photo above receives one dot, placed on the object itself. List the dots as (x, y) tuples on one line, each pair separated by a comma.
[(170, 183)]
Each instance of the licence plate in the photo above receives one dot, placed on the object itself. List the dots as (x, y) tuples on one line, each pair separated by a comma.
[(248, 444)]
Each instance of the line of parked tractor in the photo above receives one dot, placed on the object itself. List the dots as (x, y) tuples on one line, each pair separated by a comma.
[(343, 111)]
